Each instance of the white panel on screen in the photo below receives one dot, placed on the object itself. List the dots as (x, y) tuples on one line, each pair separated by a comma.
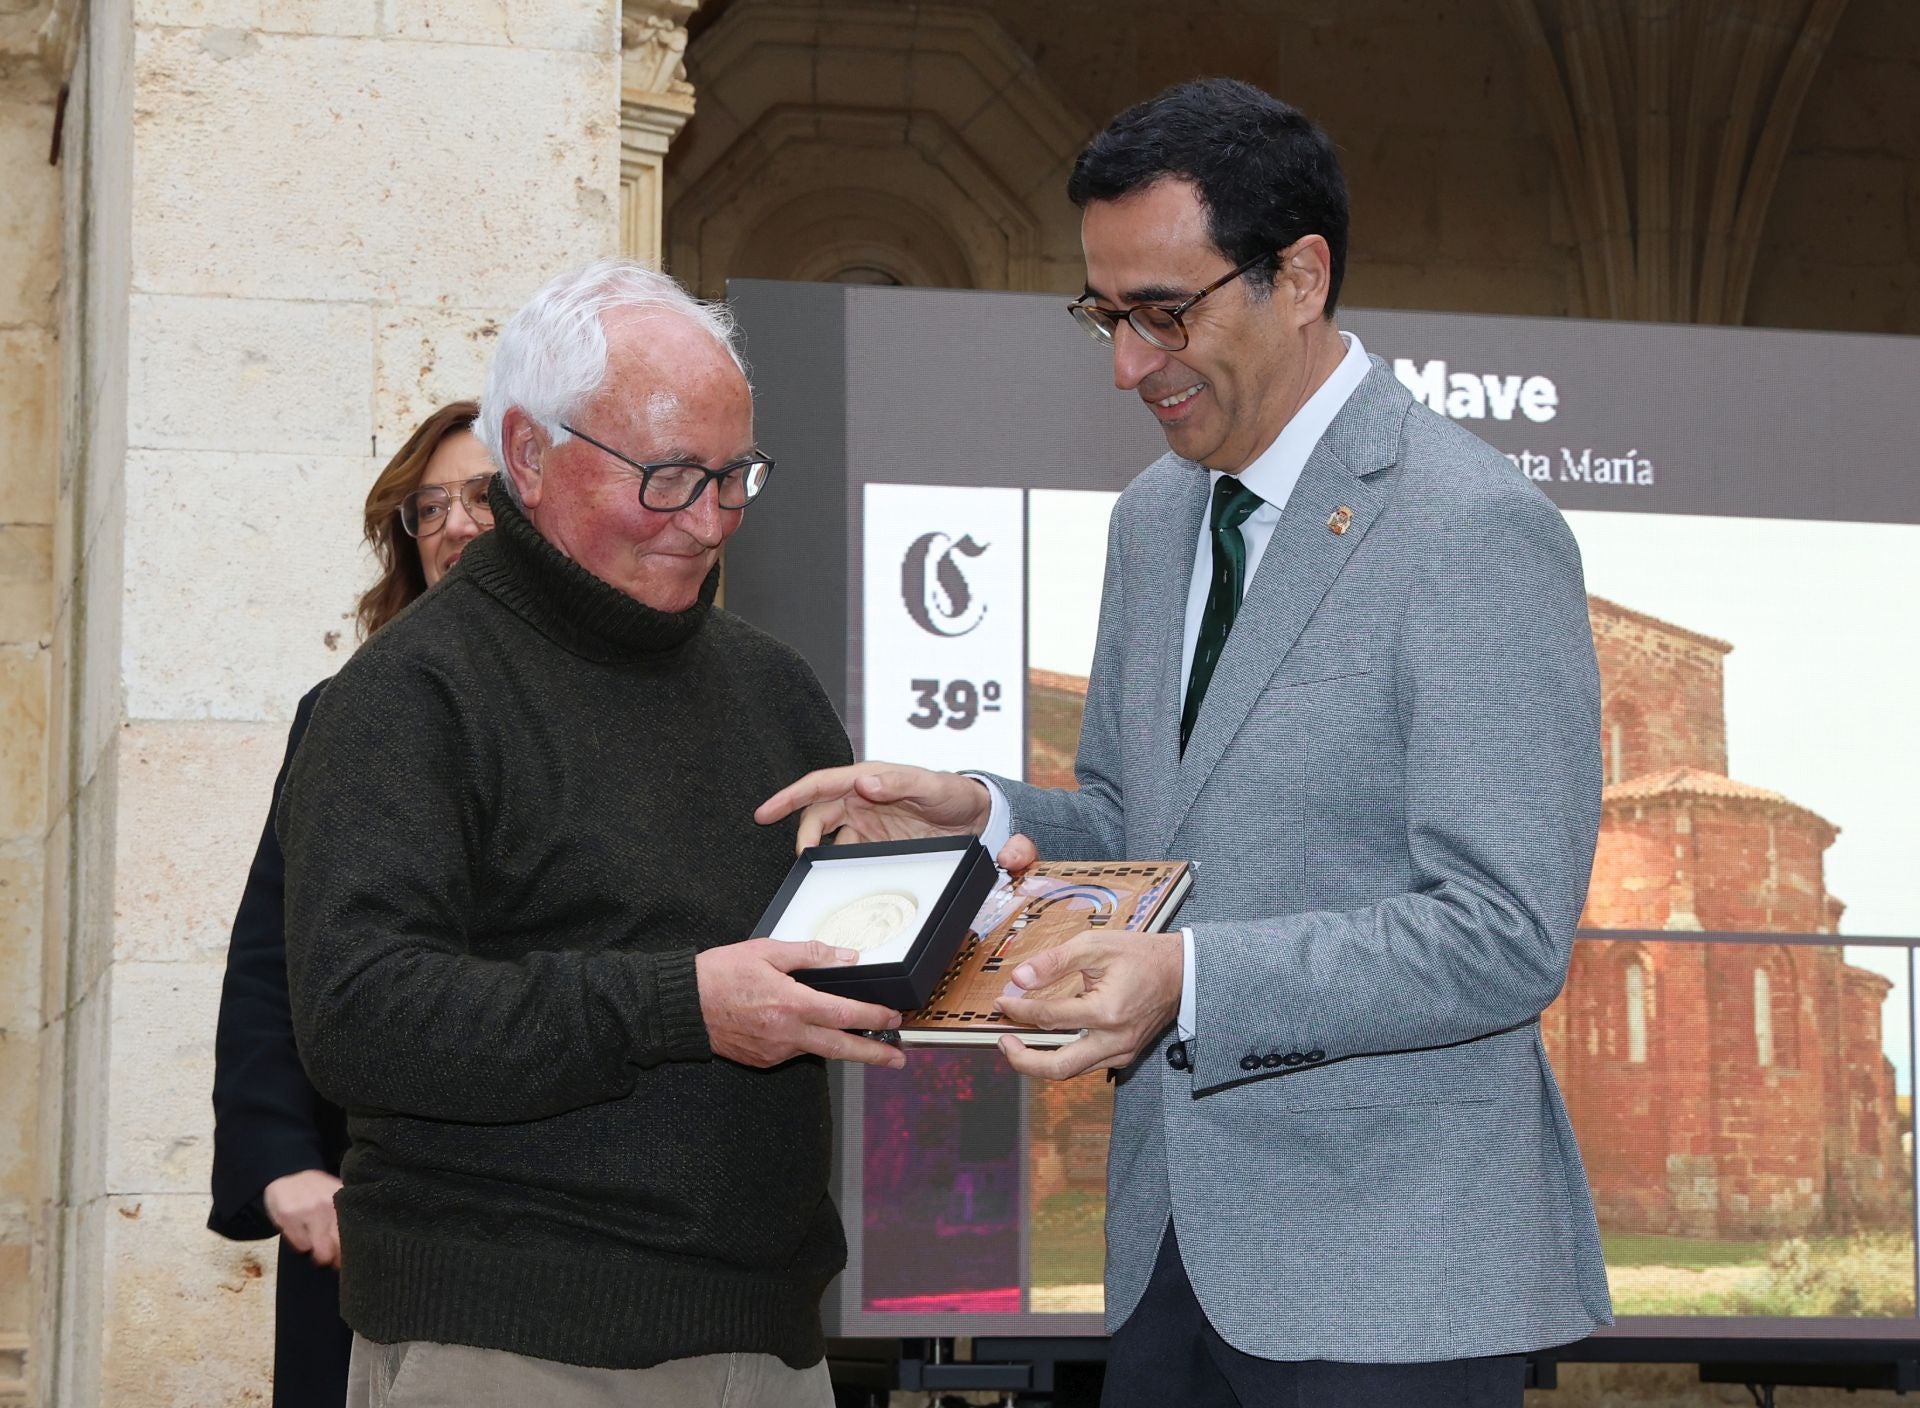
[(943, 613)]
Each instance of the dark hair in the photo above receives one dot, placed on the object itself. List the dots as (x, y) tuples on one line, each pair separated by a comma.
[(1265, 173), (401, 576)]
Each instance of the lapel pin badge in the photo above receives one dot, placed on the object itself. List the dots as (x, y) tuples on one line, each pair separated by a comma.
[(1340, 520)]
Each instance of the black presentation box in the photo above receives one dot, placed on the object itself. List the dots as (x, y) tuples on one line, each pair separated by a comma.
[(945, 916)]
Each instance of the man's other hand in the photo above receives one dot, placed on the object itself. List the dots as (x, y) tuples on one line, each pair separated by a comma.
[(1127, 993), (759, 1016), (1018, 856), (880, 802), (301, 1206)]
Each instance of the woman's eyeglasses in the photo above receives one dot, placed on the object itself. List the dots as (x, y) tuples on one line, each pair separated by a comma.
[(424, 512)]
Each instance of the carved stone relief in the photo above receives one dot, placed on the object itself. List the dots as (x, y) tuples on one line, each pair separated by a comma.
[(655, 102)]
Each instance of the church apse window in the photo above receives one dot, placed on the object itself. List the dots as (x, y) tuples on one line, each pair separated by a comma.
[(1623, 738), (1636, 983), (1775, 1006)]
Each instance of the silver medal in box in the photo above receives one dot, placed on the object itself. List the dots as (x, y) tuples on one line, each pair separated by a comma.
[(904, 906)]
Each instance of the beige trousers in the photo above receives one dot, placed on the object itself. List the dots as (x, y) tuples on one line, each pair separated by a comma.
[(422, 1374)]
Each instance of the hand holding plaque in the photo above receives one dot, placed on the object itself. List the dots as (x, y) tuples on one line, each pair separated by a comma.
[(1121, 990), (757, 1015), (1062, 935)]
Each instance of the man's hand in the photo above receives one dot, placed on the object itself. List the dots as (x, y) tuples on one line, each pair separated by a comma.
[(759, 1016), (1128, 992), (880, 802), (301, 1206), (1018, 856)]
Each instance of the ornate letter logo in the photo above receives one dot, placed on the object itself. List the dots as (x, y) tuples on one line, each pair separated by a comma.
[(934, 588)]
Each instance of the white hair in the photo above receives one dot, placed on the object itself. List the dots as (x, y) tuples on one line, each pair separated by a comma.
[(552, 355)]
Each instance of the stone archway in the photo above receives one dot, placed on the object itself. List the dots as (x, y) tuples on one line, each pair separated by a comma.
[(915, 142), (821, 236)]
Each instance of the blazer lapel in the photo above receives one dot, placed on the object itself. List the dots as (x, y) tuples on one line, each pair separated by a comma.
[(1168, 576), (1300, 564)]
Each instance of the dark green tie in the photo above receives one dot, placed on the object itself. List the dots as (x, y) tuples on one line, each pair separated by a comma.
[(1233, 504)]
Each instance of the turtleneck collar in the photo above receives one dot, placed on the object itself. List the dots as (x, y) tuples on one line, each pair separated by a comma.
[(565, 602)]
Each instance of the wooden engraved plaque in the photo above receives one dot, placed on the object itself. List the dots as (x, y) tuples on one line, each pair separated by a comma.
[(1050, 904)]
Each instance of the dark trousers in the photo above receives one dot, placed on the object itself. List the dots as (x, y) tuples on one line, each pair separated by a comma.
[(1167, 1354), (311, 1343)]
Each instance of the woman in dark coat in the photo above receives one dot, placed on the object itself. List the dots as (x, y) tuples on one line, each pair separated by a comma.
[(277, 1144)]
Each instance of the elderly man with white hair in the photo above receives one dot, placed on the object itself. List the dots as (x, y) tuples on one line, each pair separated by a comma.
[(589, 1111)]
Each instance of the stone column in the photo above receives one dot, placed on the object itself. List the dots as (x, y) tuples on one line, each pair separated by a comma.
[(1669, 127), (292, 229), (35, 55), (1670, 123), (655, 102)]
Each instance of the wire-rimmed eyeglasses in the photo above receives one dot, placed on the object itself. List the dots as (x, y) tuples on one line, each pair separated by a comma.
[(424, 511), (667, 486), (1162, 325)]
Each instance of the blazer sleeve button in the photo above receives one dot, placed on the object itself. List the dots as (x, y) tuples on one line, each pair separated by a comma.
[(1249, 1063), (1316, 1055), (1293, 1058), (1271, 1061)]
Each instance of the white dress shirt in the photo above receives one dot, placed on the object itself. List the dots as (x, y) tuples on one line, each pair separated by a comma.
[(1272, 476)]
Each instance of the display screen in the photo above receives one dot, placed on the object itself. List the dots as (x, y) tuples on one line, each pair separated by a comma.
[(1735, 1040)]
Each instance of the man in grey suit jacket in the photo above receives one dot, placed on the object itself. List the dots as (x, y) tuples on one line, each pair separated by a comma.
[(1344, 667)]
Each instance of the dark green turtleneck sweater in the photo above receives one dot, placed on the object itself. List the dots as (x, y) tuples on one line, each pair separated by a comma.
[(517, 814)]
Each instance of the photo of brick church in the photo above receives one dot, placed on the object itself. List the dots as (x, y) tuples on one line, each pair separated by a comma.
[(1735, 1106), (1721, 1089), (1746, 1145)]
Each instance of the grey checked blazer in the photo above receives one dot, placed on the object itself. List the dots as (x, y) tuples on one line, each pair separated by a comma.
[(1391, 797)]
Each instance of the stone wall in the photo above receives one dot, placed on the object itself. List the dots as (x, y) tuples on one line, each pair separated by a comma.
[(294, 228)]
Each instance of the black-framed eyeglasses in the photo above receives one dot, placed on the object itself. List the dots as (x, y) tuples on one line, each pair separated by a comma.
[(667, 486), (424, 511), (1160, 324)]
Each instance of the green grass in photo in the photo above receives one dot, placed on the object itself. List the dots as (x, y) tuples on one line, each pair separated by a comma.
[(1653, 1249), (1067, 1240), (1865, 1275)]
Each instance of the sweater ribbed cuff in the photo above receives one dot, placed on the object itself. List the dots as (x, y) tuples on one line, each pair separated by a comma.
[(678, 1030)]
